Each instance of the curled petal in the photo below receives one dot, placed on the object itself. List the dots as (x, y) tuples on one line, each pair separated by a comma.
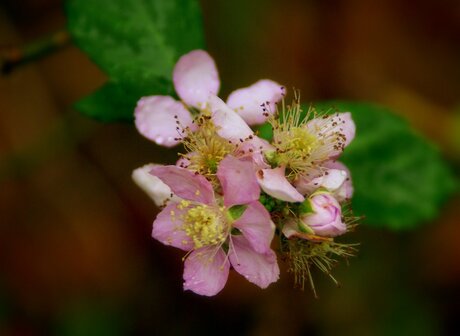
[(275, 184), (257, 227), (259, 268), (346, 189), (195, 76), (167, 228), (256, 102), (290, 229), (206, 271), (154, 118), (159, 192), (231, 125), (185, 184), (331, 179), (238, 181)]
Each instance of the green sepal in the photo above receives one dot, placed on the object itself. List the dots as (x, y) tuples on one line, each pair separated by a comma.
[(305, 207), (304, 228), (237, 211)]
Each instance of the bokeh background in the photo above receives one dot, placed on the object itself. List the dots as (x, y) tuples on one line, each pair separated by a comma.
[(76, 257)]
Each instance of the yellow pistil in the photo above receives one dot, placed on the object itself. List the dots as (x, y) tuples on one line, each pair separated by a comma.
[(204, 226)]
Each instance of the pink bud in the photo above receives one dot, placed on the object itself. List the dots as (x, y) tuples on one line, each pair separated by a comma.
[(326, 218)]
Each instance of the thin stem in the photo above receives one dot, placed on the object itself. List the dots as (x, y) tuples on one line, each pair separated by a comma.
[(12, 57)]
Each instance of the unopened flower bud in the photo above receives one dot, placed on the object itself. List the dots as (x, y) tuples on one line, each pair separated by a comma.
[(325, 218)]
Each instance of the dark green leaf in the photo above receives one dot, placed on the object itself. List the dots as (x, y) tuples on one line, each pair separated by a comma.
[(400, 179), (112, 102), (136, 43)]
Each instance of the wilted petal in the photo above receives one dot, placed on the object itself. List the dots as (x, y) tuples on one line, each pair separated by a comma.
[(257, 226), (154, 118), (167, 228), (259, 268), (290, 229), (274, 183), (185, 184), (195, 76), (238, 181), (231, 125), (206, 271), (152, 185), (254, 103)]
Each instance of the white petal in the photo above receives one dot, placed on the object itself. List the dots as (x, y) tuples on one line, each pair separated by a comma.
[(159, 192)]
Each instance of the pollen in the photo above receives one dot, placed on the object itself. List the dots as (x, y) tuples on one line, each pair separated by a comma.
[(206, 148), (302, 146), (183, 204), (204, 226)]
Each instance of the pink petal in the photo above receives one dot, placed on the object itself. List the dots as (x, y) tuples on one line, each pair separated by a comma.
[(346, 190), (257, 227), (206, 271), (159, 192), (195, 76), (348, 127), (185, 184), (328, 128), (231, 125), (248, 101), (274, 183), (154, 119), (167, 228), (259, 268), (331, 179), (238, 181), (254, 149)]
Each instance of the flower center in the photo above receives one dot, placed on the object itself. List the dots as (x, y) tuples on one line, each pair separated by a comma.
[(204, 226), (299, 141), (206, 148)]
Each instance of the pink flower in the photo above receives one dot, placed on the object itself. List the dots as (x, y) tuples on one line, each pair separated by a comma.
[(305, 149), (217, 231), (324, 218), (162, 118)]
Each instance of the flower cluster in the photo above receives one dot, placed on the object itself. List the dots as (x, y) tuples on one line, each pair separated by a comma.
[(231, 192)]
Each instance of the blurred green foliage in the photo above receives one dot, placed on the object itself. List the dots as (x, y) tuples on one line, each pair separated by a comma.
[(136, 43)]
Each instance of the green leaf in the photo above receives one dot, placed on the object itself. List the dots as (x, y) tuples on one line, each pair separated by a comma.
[(400, 179), (110, 102), (237, 211), (136, 43)]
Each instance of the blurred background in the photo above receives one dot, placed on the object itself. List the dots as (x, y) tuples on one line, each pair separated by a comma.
[(76, 256)]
